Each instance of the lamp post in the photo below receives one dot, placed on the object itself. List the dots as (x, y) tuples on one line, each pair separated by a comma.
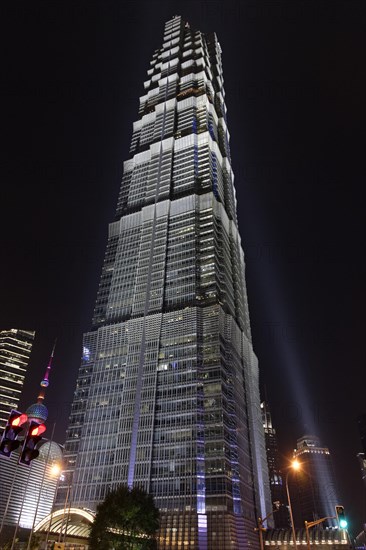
[(56, 471), (64, 513), (295, 465), (68, 514)]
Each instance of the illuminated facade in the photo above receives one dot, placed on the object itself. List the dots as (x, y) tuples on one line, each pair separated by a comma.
[(321, 539), (167, 394), (15, 350), (313, 489)]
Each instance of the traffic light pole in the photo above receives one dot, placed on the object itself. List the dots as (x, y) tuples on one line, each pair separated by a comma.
[(13, 428), (21, 510), (9, 497), (261, 529), (309, 524)]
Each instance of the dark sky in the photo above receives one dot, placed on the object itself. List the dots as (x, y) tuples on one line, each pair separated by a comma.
[(72, 74)]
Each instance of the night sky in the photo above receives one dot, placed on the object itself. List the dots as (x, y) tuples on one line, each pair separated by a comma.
[(72, 74)]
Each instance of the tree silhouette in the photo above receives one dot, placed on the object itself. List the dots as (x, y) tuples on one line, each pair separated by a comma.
[(127, 519)]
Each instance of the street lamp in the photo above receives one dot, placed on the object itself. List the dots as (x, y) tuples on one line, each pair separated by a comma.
[(55, 470), (294, 466)]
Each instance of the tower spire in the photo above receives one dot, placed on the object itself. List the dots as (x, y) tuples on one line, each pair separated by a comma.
[(45, 381), (38, 411)]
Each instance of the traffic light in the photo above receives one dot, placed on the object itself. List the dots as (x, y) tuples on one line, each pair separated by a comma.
[(29, 451), (9, 440), (341, 518)]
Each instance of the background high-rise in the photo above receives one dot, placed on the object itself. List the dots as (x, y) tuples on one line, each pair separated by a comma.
[(361, 421), (281, 517), (15, 350), (313, 486)]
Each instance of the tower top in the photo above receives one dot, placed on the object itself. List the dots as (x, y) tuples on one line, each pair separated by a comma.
[(38, 412)]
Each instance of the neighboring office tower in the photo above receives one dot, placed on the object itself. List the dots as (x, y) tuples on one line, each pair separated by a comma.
[(15, 349), (281, 517), (313, 486), (167, 394)]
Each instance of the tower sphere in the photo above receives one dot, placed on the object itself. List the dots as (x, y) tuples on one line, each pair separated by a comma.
[(37, 413)]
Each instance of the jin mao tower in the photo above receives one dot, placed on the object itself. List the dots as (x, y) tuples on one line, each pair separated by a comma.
[(167, 394)]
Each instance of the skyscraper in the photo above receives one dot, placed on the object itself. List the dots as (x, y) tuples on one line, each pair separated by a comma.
[(313, 486), (281, 516), (167, 394), (361, 421), (15, 350)]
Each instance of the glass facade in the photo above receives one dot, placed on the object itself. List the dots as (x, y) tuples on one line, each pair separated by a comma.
[(15, 350), (167, 394)]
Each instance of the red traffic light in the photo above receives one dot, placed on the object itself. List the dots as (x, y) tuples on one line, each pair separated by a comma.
[(33, 437), (19, 420), (9, 441), (37, 430)]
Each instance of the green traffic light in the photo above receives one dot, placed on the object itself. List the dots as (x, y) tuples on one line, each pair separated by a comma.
[(343, 524)]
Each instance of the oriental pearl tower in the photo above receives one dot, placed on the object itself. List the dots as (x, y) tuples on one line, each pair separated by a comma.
[(38, 412)]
